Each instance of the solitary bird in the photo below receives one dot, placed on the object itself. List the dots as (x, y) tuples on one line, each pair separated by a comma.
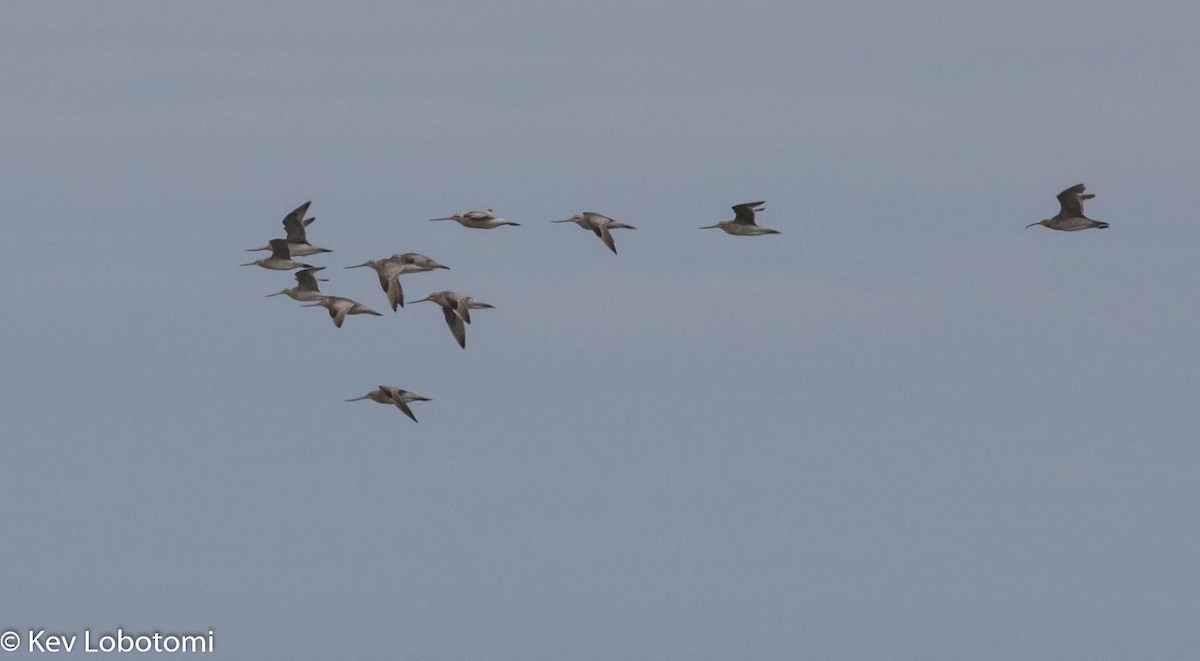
[(480, 220), (339, 307), (1070, 216), (280, 259), (294, 224), (306, 288), (393, 395), (743, 221), (456, 308), (599, 224)]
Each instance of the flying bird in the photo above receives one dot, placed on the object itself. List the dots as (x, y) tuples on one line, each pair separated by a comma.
[(393, 395), (306, 288), (743, 221), (280, 259), (416, 262), (1070, 216), (598, 224), (339, 307), (480, 220), (456, 308), (389, 279), (389, 271), (297, 240)]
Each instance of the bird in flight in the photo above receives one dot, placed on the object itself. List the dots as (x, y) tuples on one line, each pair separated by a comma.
[(1070, 216), (297, 240), (394, 395), (743, 221), (478, 219), (599, 224)]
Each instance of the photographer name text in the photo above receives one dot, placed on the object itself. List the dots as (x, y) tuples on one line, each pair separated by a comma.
[(50, 642)]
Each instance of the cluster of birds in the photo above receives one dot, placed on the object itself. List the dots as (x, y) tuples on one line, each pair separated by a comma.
[(456, 307)]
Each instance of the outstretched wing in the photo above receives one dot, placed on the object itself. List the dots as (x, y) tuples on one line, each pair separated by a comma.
[(457, 327), (294, 224), (606, 237), (1071, 201), (395, 293), (306, 281), (338, 309), (462, 308), (744, 213), (402, 405), (279, 249)]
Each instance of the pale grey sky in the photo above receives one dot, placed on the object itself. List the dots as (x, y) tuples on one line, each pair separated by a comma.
[(905, 428)]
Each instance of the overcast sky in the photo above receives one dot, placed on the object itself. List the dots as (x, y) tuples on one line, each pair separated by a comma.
[(904, 428)]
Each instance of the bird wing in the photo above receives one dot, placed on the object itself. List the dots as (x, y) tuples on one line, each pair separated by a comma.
[(744, 213), (606, 237), (1071, 201), (462, 308), (294, 224), (383, 280), (393, 268), (306, 281), (457, 327), (479, 215), (279, 249), (338, 308), (401, 404), (594, 218), (416, 262), (395, 293)]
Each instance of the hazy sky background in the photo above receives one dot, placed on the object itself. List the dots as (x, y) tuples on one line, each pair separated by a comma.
[(905, 428)]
